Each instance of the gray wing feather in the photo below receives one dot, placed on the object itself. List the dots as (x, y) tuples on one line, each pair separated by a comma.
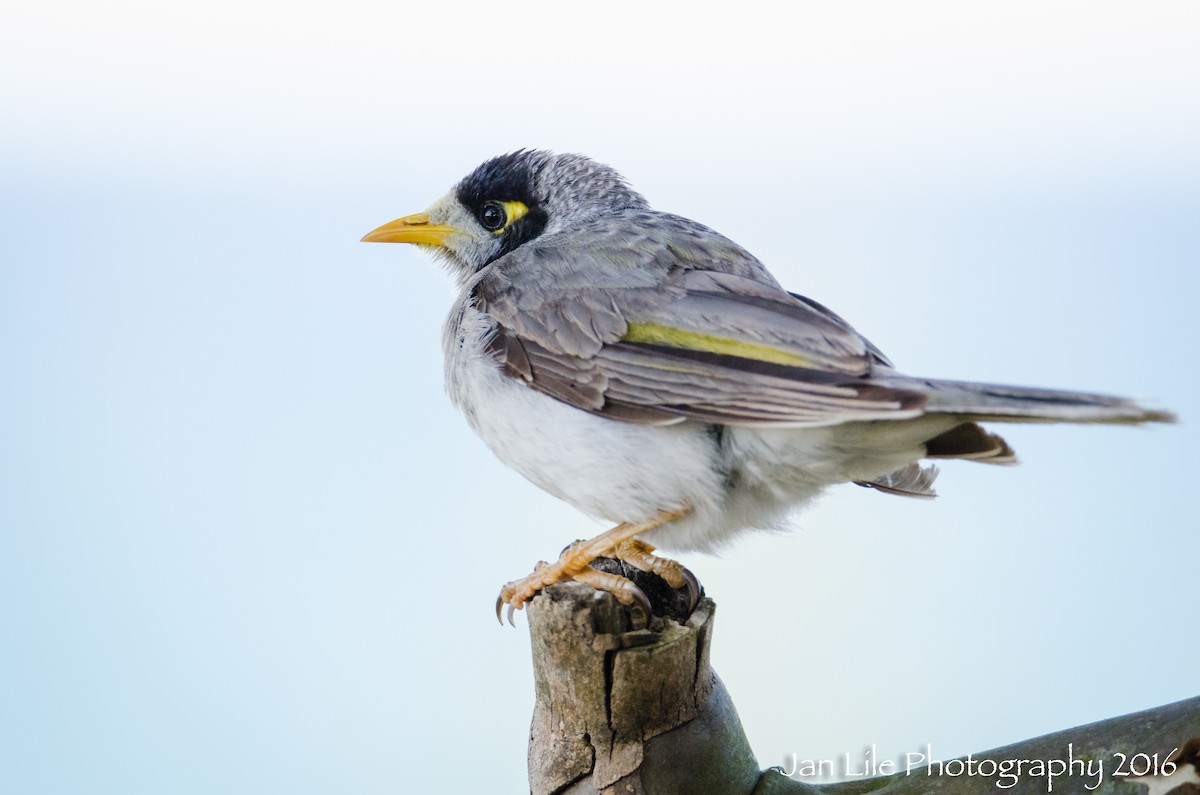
[(563, 304), (561, 315)]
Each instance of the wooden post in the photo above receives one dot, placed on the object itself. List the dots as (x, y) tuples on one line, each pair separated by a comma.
[(629, 711), (625, 710)]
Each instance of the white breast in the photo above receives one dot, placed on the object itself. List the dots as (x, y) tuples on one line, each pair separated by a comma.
[(612, 470)]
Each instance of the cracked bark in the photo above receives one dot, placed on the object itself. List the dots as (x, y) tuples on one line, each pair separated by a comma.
[(627, 711)]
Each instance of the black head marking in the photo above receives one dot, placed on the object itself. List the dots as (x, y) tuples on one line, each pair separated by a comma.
[(508, 178)]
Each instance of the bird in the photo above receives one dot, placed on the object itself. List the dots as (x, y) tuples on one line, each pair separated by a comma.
[(653, 373)]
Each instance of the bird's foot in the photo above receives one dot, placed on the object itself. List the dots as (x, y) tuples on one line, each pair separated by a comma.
[(573, 564), (639, 554)]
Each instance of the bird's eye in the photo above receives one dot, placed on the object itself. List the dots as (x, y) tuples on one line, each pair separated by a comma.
[(492, 216)]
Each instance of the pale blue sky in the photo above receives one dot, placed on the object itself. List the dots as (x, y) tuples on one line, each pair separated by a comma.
[(247, 546)]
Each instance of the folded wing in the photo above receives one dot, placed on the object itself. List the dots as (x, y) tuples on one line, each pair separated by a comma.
[(697, 344)]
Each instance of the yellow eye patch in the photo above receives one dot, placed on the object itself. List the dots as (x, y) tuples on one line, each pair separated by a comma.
[(513, 212)]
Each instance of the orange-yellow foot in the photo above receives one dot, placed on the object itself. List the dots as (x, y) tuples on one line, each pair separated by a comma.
[(572, 564), (639, 554)]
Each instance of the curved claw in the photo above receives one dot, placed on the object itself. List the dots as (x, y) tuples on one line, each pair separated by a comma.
[(642, 602), (693, 587), (513, 602)]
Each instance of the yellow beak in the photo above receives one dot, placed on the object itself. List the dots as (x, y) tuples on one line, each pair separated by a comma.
[(413, 228)]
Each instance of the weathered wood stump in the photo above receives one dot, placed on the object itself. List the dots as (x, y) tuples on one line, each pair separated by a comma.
[(628, 710)]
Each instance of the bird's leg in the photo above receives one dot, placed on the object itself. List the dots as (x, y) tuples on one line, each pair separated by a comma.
[(572, 564)]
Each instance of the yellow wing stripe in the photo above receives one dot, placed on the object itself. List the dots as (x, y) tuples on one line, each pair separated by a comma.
[(659, 334)]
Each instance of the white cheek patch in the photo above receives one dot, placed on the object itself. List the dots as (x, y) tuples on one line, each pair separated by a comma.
[(448, 210), (471, 245)]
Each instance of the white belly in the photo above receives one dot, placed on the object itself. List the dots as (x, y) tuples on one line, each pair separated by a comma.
[(612, 470)]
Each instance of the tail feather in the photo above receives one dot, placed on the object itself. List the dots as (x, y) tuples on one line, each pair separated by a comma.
[(972, 442), (913, 480), (1000, 403), (974, 403)]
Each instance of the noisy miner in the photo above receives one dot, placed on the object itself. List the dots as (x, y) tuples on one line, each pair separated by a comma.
[(650, 372)]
